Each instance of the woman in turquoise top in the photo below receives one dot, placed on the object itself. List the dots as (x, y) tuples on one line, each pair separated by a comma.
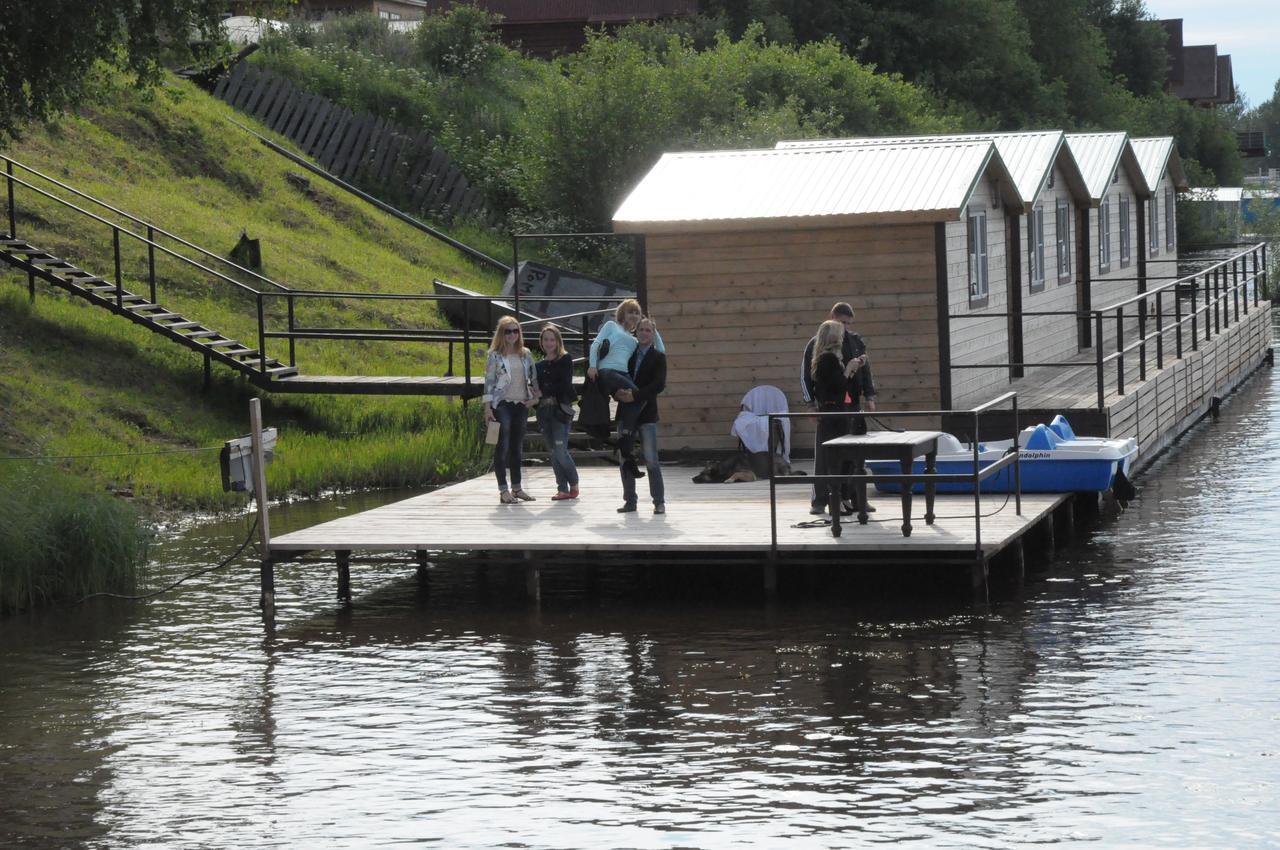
[(610, 370)]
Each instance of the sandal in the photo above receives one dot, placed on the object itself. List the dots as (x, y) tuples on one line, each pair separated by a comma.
[(523, 496), (506, 498)]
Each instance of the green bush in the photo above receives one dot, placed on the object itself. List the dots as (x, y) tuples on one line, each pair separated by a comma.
[(61, 541)]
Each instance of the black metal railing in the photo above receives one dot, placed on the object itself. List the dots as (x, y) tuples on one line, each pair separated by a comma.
[(575, 327), (979, 474), (1140, 329)]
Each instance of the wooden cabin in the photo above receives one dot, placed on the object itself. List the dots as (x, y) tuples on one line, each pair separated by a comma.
[(746, 251), (1162, 172)]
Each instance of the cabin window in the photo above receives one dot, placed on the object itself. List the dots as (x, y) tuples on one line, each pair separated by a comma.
[(979, 282), (1170, 225), (1124, 231), (1104, 236), (389, 16), (1063, 232), (1035, 248), (1153, 225)]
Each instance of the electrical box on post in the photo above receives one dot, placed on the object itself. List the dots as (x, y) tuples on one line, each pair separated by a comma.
[(236, 459)]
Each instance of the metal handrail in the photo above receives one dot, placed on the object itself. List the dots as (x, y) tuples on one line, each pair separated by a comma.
[(979, 474), (142, 222)]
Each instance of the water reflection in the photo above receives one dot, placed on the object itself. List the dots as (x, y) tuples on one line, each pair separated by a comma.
[(1125, 695)]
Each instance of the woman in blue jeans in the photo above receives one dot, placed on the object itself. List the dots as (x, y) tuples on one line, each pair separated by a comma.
[(509, 390), (555, 409)]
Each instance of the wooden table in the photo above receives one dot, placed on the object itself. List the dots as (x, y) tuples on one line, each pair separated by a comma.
[(902, 446)]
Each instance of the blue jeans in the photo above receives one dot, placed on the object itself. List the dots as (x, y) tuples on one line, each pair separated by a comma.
[(511, 416), (556, 434), (612, 380), (648, 434)]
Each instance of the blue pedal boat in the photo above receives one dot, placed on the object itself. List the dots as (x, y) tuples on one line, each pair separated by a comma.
[(1052, 460)]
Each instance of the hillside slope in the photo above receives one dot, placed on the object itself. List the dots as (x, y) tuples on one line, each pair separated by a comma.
[(76, 380)]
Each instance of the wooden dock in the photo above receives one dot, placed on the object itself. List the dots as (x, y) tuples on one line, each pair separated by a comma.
[(704, 522)]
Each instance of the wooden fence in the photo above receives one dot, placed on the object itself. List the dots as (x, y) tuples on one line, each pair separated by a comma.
[(406, 169)]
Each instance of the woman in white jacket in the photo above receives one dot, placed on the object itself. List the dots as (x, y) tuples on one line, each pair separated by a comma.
[(509, 389)]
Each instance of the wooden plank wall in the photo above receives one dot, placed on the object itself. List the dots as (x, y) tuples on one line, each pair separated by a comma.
[(736, 309), (1052, 338), (407, 169), (979, 340)]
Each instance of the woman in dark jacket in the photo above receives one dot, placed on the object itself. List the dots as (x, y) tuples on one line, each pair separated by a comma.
[(555, 409), (830, 383)]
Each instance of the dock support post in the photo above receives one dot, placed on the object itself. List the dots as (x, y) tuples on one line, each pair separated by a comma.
[(978, 578), (771, 579), (1064, 519), (421, 555), (344, 575), (1017, 559), (267, 599), (532, 578)]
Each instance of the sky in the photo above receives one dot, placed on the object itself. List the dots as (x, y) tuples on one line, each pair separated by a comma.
[(1249, 30)]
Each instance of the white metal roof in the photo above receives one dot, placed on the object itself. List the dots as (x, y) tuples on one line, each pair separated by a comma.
[(810, 187), (1029, 156), (1217, 194), (1154, 156), (1099, 155)]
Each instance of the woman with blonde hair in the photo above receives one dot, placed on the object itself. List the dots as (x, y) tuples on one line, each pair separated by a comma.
[(509, 389), (555, 409), (830, 382)]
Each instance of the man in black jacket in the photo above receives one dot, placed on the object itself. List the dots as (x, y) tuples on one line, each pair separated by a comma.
[(862, 389), (648, 368)]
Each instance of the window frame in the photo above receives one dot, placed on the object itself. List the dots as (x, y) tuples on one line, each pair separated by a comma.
[(1035, 250), (976, 221), (1062, 224), (1104, 236), (1170, 222), (1153, 224), (1126, 241)]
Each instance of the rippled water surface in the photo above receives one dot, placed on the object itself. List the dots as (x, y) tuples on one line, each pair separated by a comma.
[(1128, 695)]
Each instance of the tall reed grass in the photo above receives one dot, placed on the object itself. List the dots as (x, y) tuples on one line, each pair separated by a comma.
[(61, 541)]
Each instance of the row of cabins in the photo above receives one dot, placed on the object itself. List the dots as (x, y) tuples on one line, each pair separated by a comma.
[(955, 251)]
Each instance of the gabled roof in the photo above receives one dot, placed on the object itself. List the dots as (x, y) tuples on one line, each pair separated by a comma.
[(1099, 155), (1030, 156), (811, 187), (1155, 155)]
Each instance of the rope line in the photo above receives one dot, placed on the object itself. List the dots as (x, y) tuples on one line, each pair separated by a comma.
[(171, 586)]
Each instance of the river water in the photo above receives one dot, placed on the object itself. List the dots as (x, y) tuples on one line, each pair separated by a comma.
[(1129, 694)]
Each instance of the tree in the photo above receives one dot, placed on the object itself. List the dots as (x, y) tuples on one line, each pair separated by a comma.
[(48, 49)]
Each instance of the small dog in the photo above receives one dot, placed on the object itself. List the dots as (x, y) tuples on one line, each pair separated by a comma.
[(737, 467)]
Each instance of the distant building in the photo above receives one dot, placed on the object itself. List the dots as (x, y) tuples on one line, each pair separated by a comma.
[(388, 10), (554, 27), (1197, 73)]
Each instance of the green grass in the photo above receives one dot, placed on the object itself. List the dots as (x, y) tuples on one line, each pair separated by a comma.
[(76, 380)]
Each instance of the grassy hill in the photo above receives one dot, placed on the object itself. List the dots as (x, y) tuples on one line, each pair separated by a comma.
[(76, 380)]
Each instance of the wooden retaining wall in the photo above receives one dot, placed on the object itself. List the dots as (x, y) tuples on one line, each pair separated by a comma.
[(404, 168)]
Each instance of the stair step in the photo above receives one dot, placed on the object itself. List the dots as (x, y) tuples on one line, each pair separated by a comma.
[(221, 342), (281, 371), (140, 306), (53, 263), (176, 326), (202, 334), (247, 352)]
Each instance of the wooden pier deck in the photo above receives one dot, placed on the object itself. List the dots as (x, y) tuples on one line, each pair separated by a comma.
[(701, 519)]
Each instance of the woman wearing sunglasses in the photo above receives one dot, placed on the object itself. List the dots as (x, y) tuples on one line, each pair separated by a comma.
[(509, 389)]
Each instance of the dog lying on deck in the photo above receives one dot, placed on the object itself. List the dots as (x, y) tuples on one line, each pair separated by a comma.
[(738, 467)]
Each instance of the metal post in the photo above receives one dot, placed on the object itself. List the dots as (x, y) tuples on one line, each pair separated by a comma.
[(1217, 299), (1017, 462), (977, 501), (466, 340), (1177, 321), (208, 373), (262, 336), (1235, 287), (515, 273), (1097, 351), (268, 581), (115, 244), (1120, 350), (1159, 329), (293, 355), (13, 213), (1195, 314), (773, 496), (344, 575), (151, 261)]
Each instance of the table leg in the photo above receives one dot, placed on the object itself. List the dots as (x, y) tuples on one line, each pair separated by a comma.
[(905, 462), (930, 488)]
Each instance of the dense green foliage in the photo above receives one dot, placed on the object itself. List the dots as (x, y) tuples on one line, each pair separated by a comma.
[(61, 541), (49, 49), (556, 145)]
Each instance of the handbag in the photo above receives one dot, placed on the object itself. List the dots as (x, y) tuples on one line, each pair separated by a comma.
[(491, 432)]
